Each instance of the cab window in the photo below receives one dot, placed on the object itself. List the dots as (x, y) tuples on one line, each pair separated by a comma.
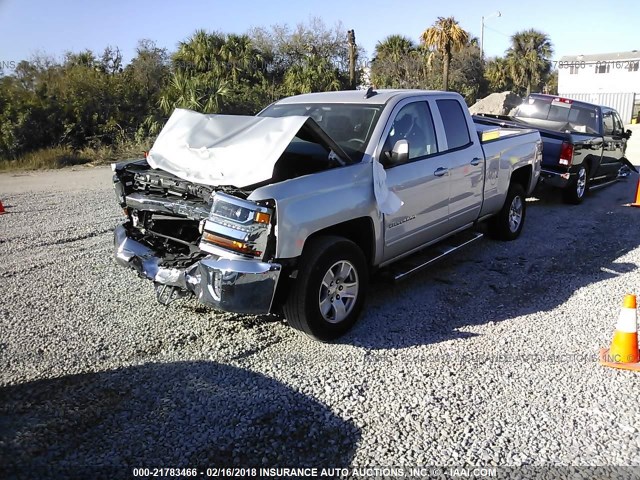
[(414, 124), (455, 123)]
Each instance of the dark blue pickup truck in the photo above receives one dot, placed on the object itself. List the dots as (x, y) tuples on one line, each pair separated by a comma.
[(583, 144)]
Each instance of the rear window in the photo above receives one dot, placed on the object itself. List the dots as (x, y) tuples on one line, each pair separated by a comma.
[(558, 114), (455, 123), (555, 110)]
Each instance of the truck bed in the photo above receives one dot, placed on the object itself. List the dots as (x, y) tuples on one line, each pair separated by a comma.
[(552, 139), (500, 146)]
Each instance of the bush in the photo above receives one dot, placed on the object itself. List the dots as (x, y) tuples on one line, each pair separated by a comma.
[(54, 157), (58, 157)]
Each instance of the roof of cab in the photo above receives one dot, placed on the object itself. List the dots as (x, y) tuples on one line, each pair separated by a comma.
[(380, 97)]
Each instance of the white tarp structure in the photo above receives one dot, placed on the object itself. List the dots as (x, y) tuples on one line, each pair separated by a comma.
[(236, 150)]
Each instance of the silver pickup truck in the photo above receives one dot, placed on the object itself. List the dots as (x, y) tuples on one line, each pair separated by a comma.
[(292, 210)]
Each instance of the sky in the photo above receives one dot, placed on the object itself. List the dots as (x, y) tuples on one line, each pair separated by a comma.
[(29, 27)]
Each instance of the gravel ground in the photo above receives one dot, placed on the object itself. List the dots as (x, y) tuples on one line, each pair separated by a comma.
[(489, 358)]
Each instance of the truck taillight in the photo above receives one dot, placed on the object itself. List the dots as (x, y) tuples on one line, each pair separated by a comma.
[(566, 154)]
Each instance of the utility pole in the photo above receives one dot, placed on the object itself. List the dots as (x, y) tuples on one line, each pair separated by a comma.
[(351, 40)]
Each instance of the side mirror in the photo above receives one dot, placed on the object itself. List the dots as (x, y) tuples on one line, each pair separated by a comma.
[(628, 134), (398, 154)]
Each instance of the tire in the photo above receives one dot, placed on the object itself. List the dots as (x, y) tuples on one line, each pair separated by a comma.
[(575, 193), (315, 305), (508, 223)]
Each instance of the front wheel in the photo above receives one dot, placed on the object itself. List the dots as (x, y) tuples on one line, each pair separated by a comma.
[(576, 192), (508, 223), (329, 291)]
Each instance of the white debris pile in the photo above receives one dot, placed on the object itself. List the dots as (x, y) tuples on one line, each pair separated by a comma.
[(496, 104)]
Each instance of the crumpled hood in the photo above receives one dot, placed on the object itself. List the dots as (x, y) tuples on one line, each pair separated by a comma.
[(240, 150), (233, 150)]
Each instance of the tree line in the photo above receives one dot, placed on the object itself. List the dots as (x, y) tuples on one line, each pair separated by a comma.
[(449, 58), (89, 100)]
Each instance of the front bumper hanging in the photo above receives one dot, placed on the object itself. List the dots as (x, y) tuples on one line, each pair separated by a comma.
[(232, 285)]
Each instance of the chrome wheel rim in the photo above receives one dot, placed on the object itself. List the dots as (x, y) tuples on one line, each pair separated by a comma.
[(581, 184), (338, 291), (515, 213)]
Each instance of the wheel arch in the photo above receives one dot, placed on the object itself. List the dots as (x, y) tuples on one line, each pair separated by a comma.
[(309, 292), (523, 176), (592, 163), (359, 230)]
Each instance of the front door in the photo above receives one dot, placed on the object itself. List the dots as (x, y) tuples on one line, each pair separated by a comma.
[(422, 183), (613, 145)]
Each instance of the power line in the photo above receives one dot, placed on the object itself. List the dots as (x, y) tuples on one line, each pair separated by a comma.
[(497, 31)]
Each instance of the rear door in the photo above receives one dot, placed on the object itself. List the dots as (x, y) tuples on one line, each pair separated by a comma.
[(422, 183), (465, 162)]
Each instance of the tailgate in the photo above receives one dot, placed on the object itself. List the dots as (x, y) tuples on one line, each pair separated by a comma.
[(551, 147)]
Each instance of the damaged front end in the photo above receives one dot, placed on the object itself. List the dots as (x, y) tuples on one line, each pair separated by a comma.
[(191, 227), (192, 239)]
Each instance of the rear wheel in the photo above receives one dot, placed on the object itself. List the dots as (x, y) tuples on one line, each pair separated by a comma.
[(576, 191), (328, 294), (508, 223)]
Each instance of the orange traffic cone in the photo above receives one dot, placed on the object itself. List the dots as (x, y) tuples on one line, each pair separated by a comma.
[(624, 346), (2, 210), (636, 203)]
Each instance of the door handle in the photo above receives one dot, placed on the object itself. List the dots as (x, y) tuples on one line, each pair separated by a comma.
[(475, 162), (441, 171)]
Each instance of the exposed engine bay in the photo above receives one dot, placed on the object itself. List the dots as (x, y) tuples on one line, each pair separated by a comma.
[(174, 227), (184, 222), (165, 212)]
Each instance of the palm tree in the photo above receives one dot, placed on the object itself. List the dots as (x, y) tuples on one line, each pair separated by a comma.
[(389, 60), (529, 58), (85, 58), (199, 77), (203, 93), (394, 48), (200, 53), (314, 74), (446, 36), (240, 56), (498, 75)]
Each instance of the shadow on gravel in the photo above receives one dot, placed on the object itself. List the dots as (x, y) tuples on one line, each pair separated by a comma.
[(562, 249), (190, 414)]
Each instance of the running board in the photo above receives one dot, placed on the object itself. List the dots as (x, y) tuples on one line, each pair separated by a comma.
[(598, 186), (408, 266)]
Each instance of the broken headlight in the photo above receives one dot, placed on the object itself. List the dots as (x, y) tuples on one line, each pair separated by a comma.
[(236, 225)]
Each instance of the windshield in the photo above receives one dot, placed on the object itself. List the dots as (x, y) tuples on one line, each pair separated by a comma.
[(558, 114), (349, 125)]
